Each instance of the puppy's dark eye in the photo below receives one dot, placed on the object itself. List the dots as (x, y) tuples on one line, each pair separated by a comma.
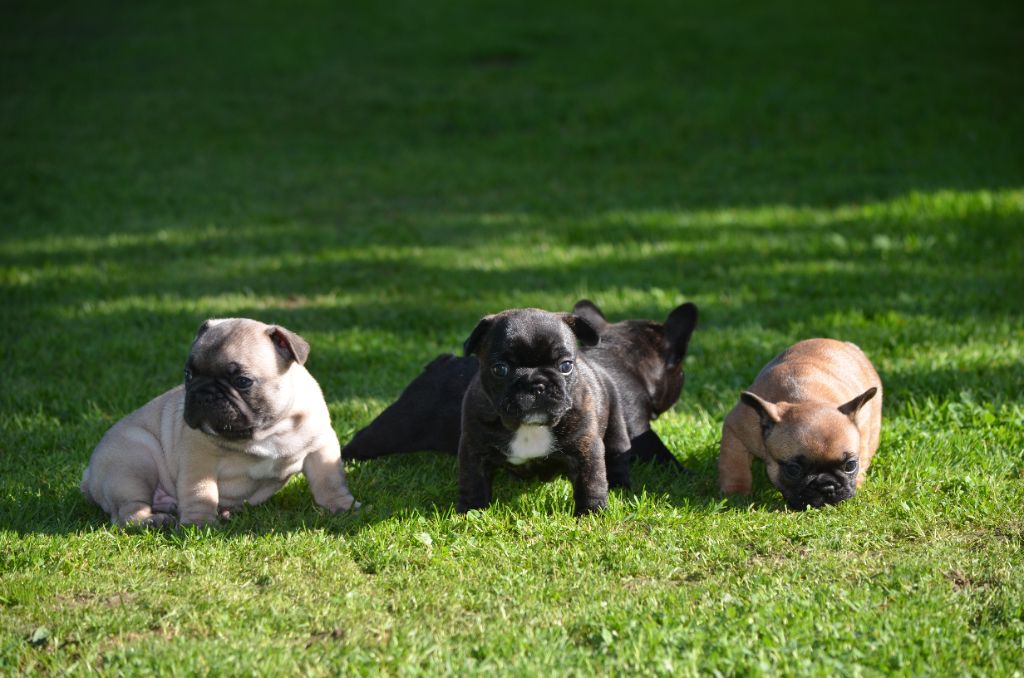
[(792, 470), (565, 367), (188, 375), (850, 466), (499, 370), (242, 383)]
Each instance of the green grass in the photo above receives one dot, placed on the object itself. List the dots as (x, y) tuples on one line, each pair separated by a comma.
[(378, 176)]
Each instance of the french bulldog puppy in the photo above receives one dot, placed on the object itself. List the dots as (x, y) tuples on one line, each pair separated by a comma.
[(814, 415), (645, 360), (643, 357), (247, 418), (539, 406), (426, 416)]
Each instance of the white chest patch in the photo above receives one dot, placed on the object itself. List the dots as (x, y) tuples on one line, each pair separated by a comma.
[(530, 442)]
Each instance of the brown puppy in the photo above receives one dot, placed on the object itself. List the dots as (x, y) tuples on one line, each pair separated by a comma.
[(813, 415)]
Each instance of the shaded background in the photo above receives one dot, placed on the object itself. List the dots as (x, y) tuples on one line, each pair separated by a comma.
[(320, 111)]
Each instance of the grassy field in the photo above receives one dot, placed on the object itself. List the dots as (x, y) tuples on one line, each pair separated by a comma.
[(377, 177)]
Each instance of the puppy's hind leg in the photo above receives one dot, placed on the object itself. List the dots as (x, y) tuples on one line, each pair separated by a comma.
[(616, 446), (122, 477), (617, 465), (131, 505), (141, 514), (648, 447)]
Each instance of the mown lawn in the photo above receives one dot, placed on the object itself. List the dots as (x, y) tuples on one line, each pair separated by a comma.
[(377, 176)]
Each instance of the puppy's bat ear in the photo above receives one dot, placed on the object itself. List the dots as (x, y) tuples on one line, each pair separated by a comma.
[(851, 408), (679, 326), (766, 411), (583, 330), (290, 345), (589, 311), (472, 343)]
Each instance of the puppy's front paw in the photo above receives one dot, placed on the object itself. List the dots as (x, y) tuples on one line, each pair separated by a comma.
[(199, 520), (734, 487), (588, 509), (162, 520), (156, 521), (585, 505), (340, 503), (465, 505)]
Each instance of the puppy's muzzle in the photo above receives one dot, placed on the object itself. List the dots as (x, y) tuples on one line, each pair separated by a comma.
[(217, 409), (534, 400), (825, 489), (828, 489)]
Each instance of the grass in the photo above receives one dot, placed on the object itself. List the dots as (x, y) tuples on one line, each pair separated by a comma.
[(377, 177)]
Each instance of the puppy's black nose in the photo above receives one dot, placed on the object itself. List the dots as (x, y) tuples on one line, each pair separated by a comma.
[(828, 489), (537, 388), (205, 394)]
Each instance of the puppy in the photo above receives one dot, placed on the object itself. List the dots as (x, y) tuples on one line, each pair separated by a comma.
[(813, 415), (645, 361), (247, 418), (643, 357), (539, 406), (426, 416)]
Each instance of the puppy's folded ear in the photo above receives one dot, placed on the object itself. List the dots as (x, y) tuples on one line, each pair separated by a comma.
[(472, 343), (851, 408), (768, 412), (583, 330), (679, 326), (589, 311), (207, 324), (290, 345)]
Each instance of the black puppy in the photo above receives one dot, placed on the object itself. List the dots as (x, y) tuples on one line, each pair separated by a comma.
[(538, 405), (645, 360), (643, 357)]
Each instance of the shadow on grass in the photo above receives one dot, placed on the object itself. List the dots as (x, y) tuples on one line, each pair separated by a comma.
[(422, 483), (57, 506)]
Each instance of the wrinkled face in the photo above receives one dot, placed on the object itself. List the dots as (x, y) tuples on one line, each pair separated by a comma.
[(813, 457), (528, 368), (234, 381)]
